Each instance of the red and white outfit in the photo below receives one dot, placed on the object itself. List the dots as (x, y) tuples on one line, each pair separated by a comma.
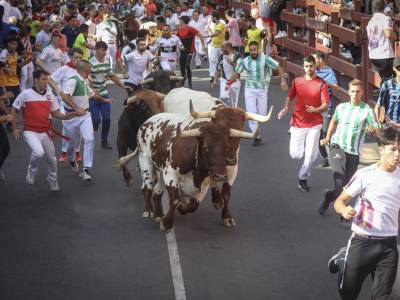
[(305, 127), (38, 132)]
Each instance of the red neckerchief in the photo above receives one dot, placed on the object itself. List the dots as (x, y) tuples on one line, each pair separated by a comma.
[(71, 65)]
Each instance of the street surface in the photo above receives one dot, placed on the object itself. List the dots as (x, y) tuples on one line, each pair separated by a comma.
[(89, 241)]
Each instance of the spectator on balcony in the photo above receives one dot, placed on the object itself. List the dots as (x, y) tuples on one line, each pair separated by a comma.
[(380, 41)]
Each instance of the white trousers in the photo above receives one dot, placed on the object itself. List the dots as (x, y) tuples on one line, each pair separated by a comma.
[(167, 65), (41, 145), (214, 55), (230, 96), (26, 78), (256, 102), (76, 128), (64, 142), (304, 142), (197, 54), (112, 52)]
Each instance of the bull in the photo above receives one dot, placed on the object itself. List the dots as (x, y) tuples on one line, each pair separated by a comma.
[(181, 162), (162, 81)]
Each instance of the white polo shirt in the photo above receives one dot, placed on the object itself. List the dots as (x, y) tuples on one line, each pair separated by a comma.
[(378, 201)]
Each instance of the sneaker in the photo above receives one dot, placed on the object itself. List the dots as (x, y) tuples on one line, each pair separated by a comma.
[(29, 179), (335, 261), (280, 34), (106, 145), (85, 175), (2, 176), (74, 166), (54, 186), (212, 79), (257, 142), (198, 67), (324, 164), (190, 86), (324, 204), (78, 157), (63, 157), (303, 186)]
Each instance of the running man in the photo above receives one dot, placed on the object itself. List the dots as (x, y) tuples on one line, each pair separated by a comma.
[(259, 69), (312, 99), (167, 46), (36, 104), (107, 31), (346, 136), (217, 39), (372, 247)]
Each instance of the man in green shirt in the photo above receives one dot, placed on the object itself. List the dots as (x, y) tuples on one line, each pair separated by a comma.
[(82, 43), (346, 136)]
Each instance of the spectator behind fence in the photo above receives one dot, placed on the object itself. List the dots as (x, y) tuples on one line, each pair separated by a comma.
[(380, 37)]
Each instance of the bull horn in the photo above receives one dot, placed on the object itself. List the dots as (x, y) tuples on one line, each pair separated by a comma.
[(245, 135), (259, 118), (146, 81), (175, 77), (132, 100), (187, 133), (161, 95), (198, 115)]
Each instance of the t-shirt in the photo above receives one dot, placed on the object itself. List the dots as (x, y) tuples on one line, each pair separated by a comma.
[(234, 34), (80, 43), (307, 92), (226, 68), (187, 35), (151, 9), (259, 70), (352, 120), (379, 46), (10, 61), (168, 47), (137, 64), (43, 38), (99, 73), (218, 40), (328, 75), (36, 109), (253, 35), (378, 201), (389, 98), (53, 58), (62, 75)]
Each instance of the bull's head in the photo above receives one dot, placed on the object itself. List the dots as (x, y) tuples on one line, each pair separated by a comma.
[(162, 81), (154, 100), (214, 144), (232, 118)]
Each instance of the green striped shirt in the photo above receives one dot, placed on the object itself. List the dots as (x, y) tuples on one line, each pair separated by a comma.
[(259, 70), (352, 120), (100, 70)]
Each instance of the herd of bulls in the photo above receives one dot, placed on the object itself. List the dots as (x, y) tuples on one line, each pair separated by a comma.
[(186, 142)]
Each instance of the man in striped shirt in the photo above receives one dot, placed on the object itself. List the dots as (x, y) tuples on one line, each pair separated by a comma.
[(387, 108), (259, 69), (101, 71), (346, 135)]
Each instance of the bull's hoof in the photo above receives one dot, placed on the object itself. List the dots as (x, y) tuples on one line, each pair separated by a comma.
[(229, 222), (165, 224), (148, 214), (182, 209)]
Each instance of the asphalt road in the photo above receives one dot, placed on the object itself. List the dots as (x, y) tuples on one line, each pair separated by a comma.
[(89, 241)]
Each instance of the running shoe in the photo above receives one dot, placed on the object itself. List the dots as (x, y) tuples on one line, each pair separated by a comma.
[(324, 204), (106, 145), (257, 142), (63, 157), (85, 175), (54, 186), (303, 186), (78, 157), (29, 179), (336, 260), (74, 166), (324, 164)]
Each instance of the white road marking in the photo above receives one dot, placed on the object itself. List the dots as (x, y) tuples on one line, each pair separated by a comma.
[(176, 270)]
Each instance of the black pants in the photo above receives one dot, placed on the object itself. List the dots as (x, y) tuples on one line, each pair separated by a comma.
[(4, 145), (185, 60), (384, 67), (344, 165), (365, 256)]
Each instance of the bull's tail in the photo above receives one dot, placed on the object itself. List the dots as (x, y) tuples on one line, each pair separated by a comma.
[(123, 161)]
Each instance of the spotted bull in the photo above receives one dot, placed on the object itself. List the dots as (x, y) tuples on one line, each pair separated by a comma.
[(181, 162)]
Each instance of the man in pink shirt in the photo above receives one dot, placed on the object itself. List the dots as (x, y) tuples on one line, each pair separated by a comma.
[(233, 27)]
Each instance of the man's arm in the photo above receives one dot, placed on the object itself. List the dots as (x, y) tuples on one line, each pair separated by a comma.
[(331, 131), (390, 34), (201, 36), (117, 81), (341, 207), (41, 65), (284, 85), (57, 114), (15, 130)]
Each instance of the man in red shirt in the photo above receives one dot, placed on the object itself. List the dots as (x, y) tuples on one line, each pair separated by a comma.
[(151, 8), (187, 35), (312, 99)]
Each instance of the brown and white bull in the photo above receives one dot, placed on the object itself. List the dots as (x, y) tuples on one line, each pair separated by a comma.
[(182, 162)]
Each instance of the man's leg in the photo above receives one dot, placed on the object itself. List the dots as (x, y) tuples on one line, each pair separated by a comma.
[(188, 66), (34, 142), (234, 92), (337, 158), (250, 96), (94, 108), (310, 152), (71, 128), (113, 55), (297, 141), (105, 109), (50, 155), (182, 63), (86, 130), (4, 145), (352, 162), (213, 61)]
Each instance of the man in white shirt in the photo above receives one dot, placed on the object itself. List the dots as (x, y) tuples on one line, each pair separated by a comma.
[(186, 11), (372, 247), (137, 61), (43, 37), (171, 19), (138, 9), (200, 25), (106, 31), (167, 46), (52, 57), (7, 8), (380, 41), (14, 11)]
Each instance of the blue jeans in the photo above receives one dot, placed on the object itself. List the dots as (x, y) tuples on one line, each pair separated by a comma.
[(101, 109)]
